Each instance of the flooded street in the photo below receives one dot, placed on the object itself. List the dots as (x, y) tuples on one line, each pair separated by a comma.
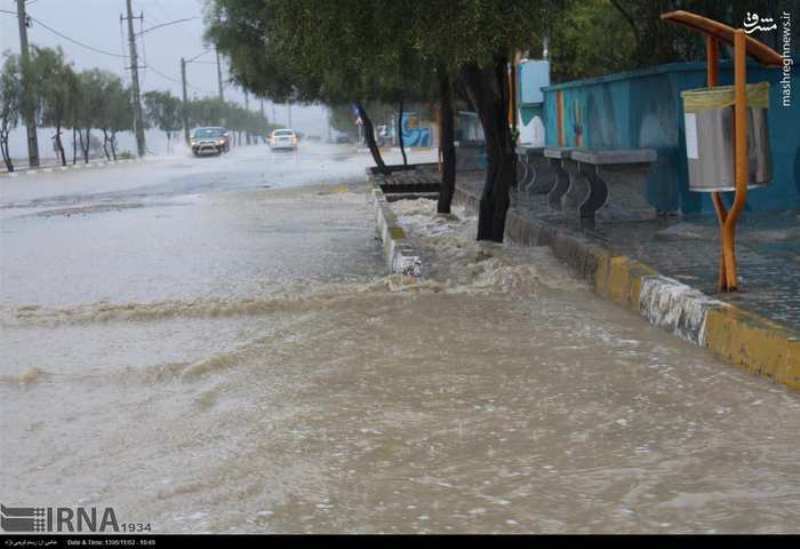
[(213, 345)]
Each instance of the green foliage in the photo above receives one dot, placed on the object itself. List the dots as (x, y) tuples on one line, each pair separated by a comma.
[(589, 40), (596, 37), (115, 111), (464, 32), (212, 111), (335, 52), (10, 93), (163, 110), (10, 103), (54, 83)]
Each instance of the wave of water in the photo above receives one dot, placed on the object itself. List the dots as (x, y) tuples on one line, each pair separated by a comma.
[(458, 265)]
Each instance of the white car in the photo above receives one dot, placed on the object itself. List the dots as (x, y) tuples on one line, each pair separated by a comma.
[(283, 139)]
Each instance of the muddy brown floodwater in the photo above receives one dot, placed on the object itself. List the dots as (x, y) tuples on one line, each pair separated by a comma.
[(495, 395)]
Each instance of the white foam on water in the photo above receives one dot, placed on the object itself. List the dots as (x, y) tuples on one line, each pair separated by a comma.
[(675, 306)]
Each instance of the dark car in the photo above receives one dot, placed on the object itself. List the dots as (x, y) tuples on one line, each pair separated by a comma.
[(211, 140)]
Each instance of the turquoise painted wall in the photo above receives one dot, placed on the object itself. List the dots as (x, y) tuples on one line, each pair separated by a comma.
[(644, 109)]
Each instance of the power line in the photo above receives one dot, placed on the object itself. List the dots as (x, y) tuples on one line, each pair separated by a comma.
[(67, 38), (176, 81), (111, 54), (165, 76), (167, 24)]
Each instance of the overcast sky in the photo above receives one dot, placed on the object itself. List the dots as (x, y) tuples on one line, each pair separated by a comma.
[(96, 23)]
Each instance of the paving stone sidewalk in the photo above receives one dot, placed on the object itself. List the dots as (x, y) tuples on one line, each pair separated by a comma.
[(687, 249)]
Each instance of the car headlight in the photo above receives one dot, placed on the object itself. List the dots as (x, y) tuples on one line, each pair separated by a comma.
[(221, 142), (193, 142)]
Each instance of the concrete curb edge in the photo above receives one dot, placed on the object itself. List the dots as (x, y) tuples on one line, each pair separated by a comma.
[(399, 256), (738, 336), (54, 169)]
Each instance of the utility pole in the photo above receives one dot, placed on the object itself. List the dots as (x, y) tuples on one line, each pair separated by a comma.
[(185, 109), (28, 111), (138, 125), (219, 77), (289, 107), (247, 108)]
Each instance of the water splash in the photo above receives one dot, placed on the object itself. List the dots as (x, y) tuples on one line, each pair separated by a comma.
[(675, 306)]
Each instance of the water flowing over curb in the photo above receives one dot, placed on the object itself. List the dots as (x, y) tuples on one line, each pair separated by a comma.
[(679, 308), (740, 337), (400, 257)]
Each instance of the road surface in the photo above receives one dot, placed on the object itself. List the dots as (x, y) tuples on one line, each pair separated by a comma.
[(212, 345)]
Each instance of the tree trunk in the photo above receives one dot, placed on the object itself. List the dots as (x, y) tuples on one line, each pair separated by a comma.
[(74, 147), (85, 146), (488, 91), (5, 152), (113, 142), (60, 145), (447, 145), (400, 133), (105, 143), (369, 137)]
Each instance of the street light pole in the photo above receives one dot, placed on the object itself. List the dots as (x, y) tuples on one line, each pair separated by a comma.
[(28, 111), (138, 125)]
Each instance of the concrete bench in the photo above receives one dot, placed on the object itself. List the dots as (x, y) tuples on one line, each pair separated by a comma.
[(535, 172), (610, 184), (559, 161), (414, 180)]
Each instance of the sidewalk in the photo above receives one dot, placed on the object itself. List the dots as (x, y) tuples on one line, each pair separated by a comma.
[(667, 271), (52, 165)]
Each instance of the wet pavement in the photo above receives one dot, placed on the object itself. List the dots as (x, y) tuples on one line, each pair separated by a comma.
[(213, 346)]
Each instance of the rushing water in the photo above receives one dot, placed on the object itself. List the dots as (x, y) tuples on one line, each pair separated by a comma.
[(274, 379)]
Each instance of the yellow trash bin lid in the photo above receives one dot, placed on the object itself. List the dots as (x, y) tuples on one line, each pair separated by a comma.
[(719, 97)]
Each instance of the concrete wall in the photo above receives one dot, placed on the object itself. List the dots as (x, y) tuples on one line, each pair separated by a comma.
[(416, 132), (644, 109)]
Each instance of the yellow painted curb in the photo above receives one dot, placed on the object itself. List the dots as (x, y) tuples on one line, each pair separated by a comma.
[(754, 344), (620, 279)]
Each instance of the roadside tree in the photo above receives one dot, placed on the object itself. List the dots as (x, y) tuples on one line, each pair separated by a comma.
[(55, 86), (163, 110), (10, 90)]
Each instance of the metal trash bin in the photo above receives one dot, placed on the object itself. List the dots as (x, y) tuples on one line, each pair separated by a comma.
[(708, 117)]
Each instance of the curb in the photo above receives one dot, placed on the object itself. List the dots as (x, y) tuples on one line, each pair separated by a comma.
[(53, 169), (736, 335), (399, 256)]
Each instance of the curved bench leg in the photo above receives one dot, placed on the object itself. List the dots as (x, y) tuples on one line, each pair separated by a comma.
[(560, 185), (533, 173), (579, 189), (598, 194), (542, 182), (627, 198), (523, 176)]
